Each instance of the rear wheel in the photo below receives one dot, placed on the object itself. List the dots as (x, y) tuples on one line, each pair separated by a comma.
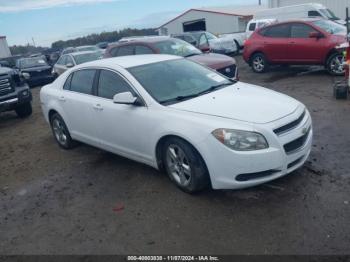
[(60, 132), (185, 166), (335, 64), (259, 63), (24, 110)]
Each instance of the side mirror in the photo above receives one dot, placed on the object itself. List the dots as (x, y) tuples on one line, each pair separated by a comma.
[(69, 65), (26, 76), (315, 35), (125, 98)]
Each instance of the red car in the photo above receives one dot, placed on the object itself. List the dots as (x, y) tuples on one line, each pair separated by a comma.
[(165, 45), (302, 42)]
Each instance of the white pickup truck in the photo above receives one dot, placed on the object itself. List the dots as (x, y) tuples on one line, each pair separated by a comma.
[(239, 38)]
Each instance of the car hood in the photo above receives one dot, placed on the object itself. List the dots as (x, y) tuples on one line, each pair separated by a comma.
[(5, 70), (243, 102), (36, 68), (214, 61)]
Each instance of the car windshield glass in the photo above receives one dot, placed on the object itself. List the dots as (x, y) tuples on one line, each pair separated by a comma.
[(177, 47), (32, 62), (328, 13), (177, 80), (330, 27), (83, 58)]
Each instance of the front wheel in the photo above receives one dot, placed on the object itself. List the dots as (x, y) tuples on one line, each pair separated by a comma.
[(60, 132), (24, 110), (259, 63), (185, 166), (335, 64)]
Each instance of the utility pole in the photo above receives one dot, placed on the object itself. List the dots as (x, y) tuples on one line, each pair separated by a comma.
[(33, 41), (259, 2)]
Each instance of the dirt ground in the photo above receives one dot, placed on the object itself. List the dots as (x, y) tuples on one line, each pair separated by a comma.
[(87, 201)]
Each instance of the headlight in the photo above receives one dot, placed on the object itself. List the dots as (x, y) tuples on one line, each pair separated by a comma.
[(240, 140), (26, 75)]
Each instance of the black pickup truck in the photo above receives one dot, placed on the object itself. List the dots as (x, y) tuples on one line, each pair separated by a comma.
[(14, 93)]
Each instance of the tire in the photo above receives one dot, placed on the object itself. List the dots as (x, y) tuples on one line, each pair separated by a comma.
[(24, 110), (335, 64), (185, 166), (259, 63), (61, 132)]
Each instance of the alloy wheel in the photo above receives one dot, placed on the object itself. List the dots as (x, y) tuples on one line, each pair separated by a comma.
[(258, 63), (178, 165), (337, 64), (59, 131)]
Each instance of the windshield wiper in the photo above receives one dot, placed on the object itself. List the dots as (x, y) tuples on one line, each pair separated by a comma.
[(209, 90), (213, 88), (178, 98)]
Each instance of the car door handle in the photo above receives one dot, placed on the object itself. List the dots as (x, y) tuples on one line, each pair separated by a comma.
[(98, 107), (62, 99), (292, 43)]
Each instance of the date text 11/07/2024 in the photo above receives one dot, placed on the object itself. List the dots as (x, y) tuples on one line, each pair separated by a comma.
[(173, 258)]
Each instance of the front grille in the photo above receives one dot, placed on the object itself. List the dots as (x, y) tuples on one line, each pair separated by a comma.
[(251, 176), (297, 143), (5, 85), (229, 71), (290, 126), (39, 73)]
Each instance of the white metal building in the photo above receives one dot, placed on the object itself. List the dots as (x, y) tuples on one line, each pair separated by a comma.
[(4, 48), (337, 6), (217, 20)]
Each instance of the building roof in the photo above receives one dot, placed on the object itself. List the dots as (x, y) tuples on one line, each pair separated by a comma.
[(241, 11)]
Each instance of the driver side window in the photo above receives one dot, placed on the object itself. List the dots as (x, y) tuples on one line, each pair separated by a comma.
[(110, 84), (69, 60)]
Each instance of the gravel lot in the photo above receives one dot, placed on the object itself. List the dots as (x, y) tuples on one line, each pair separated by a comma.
[(87, 201)]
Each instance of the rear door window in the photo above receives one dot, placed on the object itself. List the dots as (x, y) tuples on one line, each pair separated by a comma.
[(277, 31), (142, 50), (125, 50), (82, 81)]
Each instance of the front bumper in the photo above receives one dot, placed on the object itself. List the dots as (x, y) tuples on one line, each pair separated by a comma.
[(40, 80), (231, 169), (10, 101)]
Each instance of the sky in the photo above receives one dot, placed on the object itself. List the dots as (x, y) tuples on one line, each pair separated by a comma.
[(47, 21)]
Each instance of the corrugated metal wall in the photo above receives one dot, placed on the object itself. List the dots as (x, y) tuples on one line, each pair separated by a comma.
[(337, 6), (4, 49), (215, 23)]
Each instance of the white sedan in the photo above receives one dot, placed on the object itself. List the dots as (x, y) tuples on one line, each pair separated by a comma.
[(174, 114)]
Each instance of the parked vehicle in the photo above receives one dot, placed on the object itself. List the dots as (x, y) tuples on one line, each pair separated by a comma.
[(102, 45), (299, 42), (72, 59), (14, 93), (310, 10), (37, 68), (172, 46), (169, 112), (68, 50), (83, 48), (206, 41), (239, 38)]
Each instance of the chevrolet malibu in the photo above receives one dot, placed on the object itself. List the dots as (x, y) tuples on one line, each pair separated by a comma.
[(176, 115)]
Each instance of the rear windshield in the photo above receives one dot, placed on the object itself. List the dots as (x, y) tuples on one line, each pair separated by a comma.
[(177, 47)]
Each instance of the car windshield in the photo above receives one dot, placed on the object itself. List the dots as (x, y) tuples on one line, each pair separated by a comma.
[(32, 62), (177, 80), (330, 27), (83, 58), (328, 13), (177, 47), (87, 48)]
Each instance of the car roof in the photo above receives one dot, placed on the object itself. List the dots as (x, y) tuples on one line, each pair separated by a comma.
[(150, 40), (130, 61)]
